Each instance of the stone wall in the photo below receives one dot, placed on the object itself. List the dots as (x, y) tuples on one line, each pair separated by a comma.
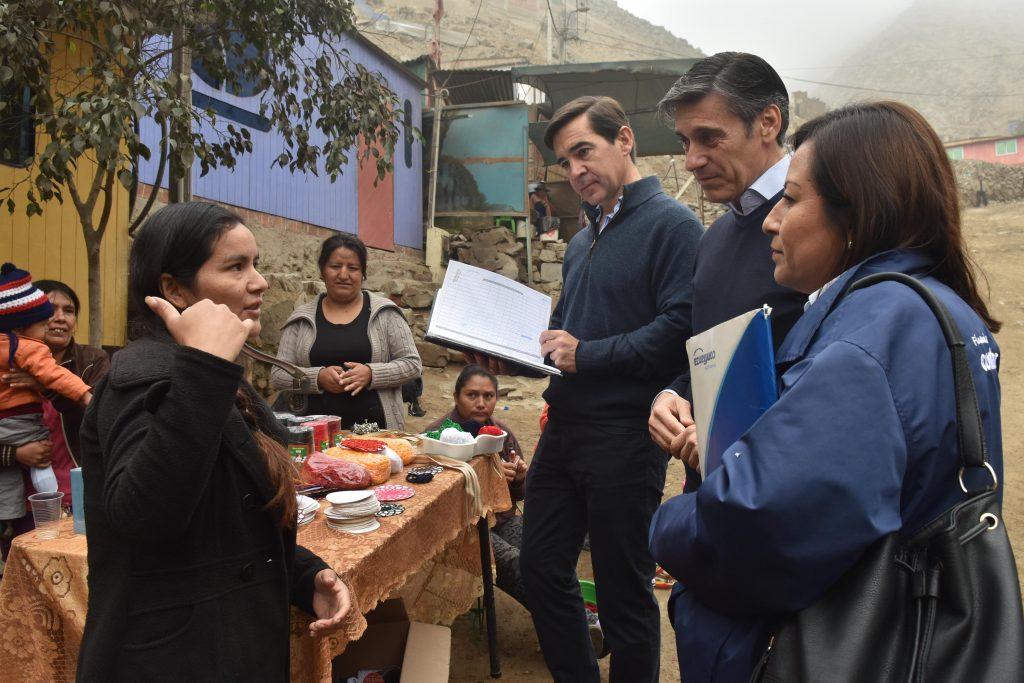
[(1003, 183), (496, 249)]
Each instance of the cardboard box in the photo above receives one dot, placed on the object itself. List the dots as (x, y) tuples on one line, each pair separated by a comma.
[(423, 651)]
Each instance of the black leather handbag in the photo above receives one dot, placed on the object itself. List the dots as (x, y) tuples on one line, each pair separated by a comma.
[(943, 605)]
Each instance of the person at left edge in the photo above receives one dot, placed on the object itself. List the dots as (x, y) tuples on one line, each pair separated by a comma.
[(618, 335), (189, 489), (62, 416)]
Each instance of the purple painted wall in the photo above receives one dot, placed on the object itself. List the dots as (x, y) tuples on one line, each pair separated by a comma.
[(257, 185)]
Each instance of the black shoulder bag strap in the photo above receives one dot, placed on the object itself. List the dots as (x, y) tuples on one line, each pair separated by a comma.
[(970, 437)]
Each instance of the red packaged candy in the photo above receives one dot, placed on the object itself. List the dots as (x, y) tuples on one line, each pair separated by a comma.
[(491, 430), (334, 474), (364, 445)]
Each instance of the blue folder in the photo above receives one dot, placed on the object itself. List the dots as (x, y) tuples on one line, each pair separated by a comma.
[(732, 375)]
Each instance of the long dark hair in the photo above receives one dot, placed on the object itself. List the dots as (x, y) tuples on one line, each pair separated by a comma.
[(887, 184), (177, 241)]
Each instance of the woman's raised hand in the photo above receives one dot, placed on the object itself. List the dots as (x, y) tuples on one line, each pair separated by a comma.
[(205, 326)]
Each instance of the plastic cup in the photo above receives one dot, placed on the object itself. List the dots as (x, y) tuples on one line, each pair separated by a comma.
[(46, 508)]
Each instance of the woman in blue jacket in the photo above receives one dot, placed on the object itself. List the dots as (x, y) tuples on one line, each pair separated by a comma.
[(862, 441)]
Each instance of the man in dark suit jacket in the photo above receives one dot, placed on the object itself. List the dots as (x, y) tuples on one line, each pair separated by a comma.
[(730, 111)]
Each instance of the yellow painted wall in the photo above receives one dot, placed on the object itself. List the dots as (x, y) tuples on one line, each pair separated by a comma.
[(52, 247)]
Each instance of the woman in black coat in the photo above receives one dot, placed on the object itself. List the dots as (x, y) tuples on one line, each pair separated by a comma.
[(189, 490)]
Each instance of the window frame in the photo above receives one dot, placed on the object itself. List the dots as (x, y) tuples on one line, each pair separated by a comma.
[(1007, 142)]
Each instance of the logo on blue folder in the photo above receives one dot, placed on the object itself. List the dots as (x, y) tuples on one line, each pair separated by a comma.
[(701, 357)]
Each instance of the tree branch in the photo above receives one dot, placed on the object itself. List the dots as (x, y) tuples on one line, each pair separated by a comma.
[(156, 183), (75, 197), (108, 203), (94, 191)]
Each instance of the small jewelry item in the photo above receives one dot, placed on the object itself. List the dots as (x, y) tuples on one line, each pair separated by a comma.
[(390, 509), (361, 428), (415, 477)]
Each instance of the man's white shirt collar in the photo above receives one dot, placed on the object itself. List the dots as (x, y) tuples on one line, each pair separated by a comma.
[(602, 220), (764, 188)]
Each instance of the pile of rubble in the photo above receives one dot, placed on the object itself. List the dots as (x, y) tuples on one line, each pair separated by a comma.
[(497, 250)]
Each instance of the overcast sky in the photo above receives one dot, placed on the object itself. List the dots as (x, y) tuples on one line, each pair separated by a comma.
[(793, 35)]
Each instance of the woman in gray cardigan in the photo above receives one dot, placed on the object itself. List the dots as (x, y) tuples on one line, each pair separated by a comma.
[(355, 347)]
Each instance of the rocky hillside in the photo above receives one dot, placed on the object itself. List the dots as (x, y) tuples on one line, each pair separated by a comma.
[(515, 31), (959, 62)]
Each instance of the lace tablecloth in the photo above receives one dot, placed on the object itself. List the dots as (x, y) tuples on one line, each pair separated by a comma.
[(429, 555)]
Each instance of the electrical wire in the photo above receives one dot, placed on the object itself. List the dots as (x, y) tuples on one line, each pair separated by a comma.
[(906, 63), (468, 37), (903, 92), (554, 22)]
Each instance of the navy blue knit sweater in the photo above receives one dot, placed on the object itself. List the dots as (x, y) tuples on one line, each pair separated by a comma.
[(735, 274), (626, 296)]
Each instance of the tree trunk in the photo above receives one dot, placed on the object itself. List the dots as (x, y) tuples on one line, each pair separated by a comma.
[(92, 247)]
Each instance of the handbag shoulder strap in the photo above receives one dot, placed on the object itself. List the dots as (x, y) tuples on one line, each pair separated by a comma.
[(970, 436)]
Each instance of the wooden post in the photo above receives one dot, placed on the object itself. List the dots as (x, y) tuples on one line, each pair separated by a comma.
[(179, 187)]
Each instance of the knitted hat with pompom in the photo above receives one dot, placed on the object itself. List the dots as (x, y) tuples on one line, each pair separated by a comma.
[(21, 302)]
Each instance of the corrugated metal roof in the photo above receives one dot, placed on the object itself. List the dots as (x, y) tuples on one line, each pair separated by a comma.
[(475, 86)]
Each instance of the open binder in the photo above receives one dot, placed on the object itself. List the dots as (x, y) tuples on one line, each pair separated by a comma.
[(477, 310)]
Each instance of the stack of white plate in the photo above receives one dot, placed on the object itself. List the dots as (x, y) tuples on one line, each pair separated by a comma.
[(352, 511), (307, 509)]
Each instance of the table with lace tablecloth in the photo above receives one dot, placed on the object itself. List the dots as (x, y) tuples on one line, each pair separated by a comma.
[(430, 556)]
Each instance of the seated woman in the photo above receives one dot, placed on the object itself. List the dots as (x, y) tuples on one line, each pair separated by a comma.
[(189, 489), (355, 347), (862, 441), (476, 394)]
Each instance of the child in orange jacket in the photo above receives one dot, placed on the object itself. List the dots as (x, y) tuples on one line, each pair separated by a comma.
[(24, 313)]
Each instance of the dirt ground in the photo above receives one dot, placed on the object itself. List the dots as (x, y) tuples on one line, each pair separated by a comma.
[(995, 235)]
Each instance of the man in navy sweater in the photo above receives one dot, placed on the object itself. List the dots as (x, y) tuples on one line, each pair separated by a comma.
[(618, 336), (731, 111)]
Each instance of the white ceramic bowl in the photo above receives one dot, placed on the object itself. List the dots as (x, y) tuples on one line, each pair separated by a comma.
[(484, 443)]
